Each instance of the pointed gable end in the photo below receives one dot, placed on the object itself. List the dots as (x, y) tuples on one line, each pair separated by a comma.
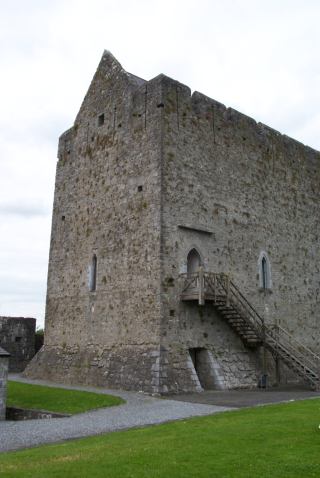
[(109, 86)]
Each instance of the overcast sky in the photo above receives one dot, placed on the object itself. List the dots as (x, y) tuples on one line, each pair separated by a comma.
[(260, 57)]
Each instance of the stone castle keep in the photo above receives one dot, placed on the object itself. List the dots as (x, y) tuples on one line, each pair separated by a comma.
[(185, 244), (17, 336)]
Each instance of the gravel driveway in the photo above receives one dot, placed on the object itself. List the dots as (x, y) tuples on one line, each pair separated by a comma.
[(139, 410)]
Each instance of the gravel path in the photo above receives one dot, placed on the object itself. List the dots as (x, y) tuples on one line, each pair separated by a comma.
[(139, 410)]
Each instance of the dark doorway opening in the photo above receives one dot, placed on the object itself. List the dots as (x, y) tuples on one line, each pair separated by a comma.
[(194, 357), (199, 357), (193, 262)]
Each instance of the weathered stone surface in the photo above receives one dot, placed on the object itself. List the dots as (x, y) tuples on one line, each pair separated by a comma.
[(4, 364), (17, 336), (148, 172)]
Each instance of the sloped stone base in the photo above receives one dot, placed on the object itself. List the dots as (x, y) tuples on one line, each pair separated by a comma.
[(128, 368), (221, 371), (148, 370)]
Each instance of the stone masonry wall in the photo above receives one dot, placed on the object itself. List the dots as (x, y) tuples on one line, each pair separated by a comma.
[(201, 327), (17, 336), (107, 203), (249, 189)]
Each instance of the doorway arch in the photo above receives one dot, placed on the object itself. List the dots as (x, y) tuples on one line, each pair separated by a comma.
[(193, 261)]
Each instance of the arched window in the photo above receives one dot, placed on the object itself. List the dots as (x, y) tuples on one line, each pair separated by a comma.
[(193, 261), (264, 271), (93, 274)]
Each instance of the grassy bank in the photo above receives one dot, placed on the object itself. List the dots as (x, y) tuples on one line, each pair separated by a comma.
[(271, 441), (23, 395)]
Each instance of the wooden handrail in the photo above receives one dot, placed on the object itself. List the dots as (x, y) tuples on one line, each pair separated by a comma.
[(274, 337), (292, 344), (261, 319), (257, 321)]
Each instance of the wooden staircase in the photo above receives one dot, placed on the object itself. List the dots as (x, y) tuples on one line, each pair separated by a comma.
[(248, 324)]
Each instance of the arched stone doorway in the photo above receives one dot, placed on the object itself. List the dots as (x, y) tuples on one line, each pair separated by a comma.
[(193, 261)]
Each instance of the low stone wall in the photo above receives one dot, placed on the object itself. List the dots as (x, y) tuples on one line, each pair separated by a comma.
[(13, 413), (4, 364), (18, 338)]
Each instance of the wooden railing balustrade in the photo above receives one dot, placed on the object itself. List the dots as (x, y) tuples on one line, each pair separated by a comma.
[(222, 292)]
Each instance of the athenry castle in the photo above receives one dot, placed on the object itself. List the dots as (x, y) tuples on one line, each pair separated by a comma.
[(185, 245)]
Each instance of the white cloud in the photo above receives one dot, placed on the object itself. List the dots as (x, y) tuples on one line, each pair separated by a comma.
[(261, 58)]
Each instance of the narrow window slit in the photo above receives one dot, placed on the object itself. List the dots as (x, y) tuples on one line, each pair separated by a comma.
[(93, 274), (264, 272), (101, 119)]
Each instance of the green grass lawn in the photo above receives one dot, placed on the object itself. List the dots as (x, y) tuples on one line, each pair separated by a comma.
[(273, 441), (23, 395)]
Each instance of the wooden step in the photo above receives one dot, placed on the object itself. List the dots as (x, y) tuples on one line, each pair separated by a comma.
[(234, 316), (237, 321), (241, 325), (252, 343), (244, 330), (249, 333), (225, 308)]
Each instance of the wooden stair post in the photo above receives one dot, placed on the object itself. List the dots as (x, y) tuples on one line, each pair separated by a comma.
[(228, 290), (201, 286)]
